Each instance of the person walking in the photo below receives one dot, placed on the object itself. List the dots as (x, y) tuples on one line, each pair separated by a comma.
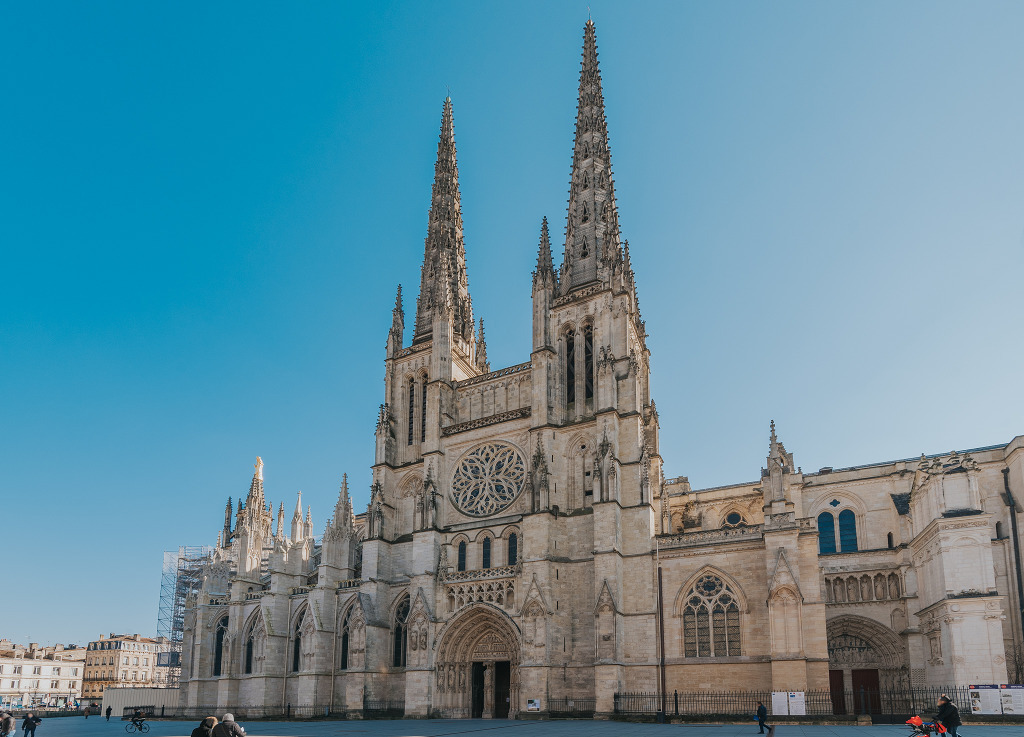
[(30, 724), (762, 716), (228, 727), (7, 724), (109, 710), (948, 715), (205, 728)]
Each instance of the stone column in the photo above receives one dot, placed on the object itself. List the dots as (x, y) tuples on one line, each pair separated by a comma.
[(488, 690)]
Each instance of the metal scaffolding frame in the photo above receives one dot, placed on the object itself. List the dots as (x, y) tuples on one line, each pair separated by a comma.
[(180, 575)]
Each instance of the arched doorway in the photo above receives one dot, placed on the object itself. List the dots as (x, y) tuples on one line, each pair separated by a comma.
[(865, 659), (477, 665)]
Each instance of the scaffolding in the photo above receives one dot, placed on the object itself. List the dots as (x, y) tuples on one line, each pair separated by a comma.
[(181, 571)]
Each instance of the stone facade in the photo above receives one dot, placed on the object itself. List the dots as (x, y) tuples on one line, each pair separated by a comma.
[(521, 540), (125, 661), (36, 676)]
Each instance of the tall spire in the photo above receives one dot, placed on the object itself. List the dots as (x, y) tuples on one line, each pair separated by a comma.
[(444, 286), (545, 271), (592, 228)]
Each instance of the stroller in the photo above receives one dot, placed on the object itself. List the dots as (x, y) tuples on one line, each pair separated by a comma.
[(920, 727)]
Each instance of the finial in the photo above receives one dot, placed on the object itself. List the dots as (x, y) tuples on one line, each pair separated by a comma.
[(259, 468), (774, 439)]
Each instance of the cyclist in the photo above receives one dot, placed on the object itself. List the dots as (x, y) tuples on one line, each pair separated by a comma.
[(138, 719)]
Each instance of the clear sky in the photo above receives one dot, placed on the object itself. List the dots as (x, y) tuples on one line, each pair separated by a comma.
[(205, 209)]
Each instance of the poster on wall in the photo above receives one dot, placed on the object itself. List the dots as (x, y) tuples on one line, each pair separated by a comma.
[(780, 702), (1011, 698), (985, 699), (533, 704), (797, 703)]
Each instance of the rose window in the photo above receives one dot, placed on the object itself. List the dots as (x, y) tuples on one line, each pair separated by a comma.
[(488, 479)]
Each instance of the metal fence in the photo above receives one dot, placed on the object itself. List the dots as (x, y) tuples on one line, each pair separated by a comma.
[(571, 707), (896, 705), (371, 709)]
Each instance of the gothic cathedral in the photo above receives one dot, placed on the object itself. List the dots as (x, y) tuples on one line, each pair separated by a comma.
[(522, 544)]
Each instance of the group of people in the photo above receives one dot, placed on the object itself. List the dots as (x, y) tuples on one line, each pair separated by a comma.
[(8, 724), (226, 727), (948, 716)]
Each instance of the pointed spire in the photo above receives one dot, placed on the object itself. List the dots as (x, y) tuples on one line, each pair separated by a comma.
[(544, 274), (255, 500), (592, 228), (443, 280), (481, 351), (298, 507), (280, 522)]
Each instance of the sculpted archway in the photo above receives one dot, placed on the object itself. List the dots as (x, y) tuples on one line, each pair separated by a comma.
[(857, 643), (482, 635)]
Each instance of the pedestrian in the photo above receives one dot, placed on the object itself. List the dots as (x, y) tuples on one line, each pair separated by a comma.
[(762, 716), (109, 710), (32, 721), (228, 727), (7, 724), (205, 728), (948, 715)]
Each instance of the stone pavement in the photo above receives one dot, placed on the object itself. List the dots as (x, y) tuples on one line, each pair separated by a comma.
[(98, 727)]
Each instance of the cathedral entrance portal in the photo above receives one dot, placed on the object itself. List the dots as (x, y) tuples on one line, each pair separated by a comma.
[(477, 666)]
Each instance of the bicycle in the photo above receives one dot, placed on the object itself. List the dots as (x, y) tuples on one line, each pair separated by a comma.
[(132, 727)]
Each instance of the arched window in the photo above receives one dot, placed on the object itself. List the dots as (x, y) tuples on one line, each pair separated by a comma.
[(513, 549), (412, 409), (218, 648), (999, 531), (462, 556), (847, 531), (826, 533), (711, 620), (487, 553), (588, 363), (343, 665), (248, 654), (423, 410), (297, 645), (585, 218), (892, 543), (400, 641), (570, 371)]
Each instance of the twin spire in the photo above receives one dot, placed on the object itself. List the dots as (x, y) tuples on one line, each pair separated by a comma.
[(592, 240)]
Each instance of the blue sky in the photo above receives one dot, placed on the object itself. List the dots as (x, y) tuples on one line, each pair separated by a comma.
[(205, 209)]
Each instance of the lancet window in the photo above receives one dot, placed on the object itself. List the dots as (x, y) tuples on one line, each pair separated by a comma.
[(513, 549), (423, 409), (486, 560), (219, 644), (412, 409), (400, 634), (297, 645), (711, 620), (570, 371), (847, 538), (588, 363), (343, 664), (462, 556)]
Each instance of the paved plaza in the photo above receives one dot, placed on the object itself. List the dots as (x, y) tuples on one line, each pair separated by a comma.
[(97, 727)]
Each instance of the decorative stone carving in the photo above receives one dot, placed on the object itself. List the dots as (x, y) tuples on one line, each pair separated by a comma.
[(488, 479)]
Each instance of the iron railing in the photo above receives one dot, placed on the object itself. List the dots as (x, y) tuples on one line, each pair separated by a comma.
[(571, 707), (892, 705)]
